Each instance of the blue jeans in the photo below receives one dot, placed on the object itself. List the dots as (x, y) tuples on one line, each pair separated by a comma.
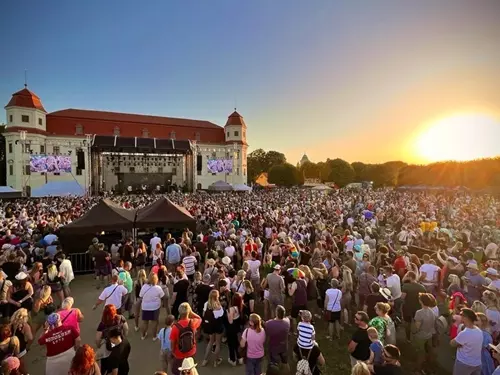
[(253, 366)]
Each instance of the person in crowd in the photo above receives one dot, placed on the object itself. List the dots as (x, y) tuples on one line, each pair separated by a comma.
[(55, 282), (61, 341), (377, 295), (487, 365), (188, 367), (138, 284), (391, 364), (277, 331), (189, 262), (298, 291), (165, 343), (112, 294), (125, 279), (42, 308), (84, 362), (36, 277), (5, 286), (359, 346), (213, 327), (393, 283), (254, 338), (66, 273), (101, 259), (314, 358), (360, 368), (376, 347), (469, 344), (365, 280), (238, 285), (183, 336), (333, 309), (384, 324), (117, 360), (20, 294), (11, 366), (151, 296), (492, 303), (9, 342), (424, 330), (70, 315), (110, 319), (411, 297), (306, 334), (173, 255), (22, 330), (181, 288), (495, 352), (233, 328)]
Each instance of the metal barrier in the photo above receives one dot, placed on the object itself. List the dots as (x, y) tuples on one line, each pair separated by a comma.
[(81, 262)]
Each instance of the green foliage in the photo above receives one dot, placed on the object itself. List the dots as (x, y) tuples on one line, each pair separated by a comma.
[(310, 170), (339, 171), (260, 161), (284, 175)]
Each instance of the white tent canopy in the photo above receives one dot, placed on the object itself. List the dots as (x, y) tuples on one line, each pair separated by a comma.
[(220, 186), (322, 188), (242, 187)]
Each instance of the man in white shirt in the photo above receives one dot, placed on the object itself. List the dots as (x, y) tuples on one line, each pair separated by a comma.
[(429, 274), (469, 344), (154, 241), (393, 283), (112, 295)]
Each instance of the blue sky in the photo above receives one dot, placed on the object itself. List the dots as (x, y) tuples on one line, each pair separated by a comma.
[(314, 76)]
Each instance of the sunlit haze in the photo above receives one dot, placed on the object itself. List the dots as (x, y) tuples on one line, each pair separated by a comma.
[(367, 81)]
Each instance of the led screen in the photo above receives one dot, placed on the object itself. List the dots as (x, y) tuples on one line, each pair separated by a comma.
[(50, 163), (220, 165)]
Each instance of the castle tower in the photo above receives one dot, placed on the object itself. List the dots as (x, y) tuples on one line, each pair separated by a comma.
[(236, 140)]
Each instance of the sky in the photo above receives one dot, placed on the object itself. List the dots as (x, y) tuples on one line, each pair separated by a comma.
[(358, 80)]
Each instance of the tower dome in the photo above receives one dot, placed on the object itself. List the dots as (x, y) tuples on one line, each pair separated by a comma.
[(235, 119), (304, 159), (26, 99)]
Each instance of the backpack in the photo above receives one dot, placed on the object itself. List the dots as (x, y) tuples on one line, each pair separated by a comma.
[(303, 367), (186, 337)]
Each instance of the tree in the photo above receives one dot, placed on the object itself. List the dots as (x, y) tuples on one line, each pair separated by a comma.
[(284, 175), (273, 158), (310, 170), (259, 161), (340, 172), (360, 170)]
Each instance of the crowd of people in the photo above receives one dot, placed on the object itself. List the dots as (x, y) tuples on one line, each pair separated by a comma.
[(259, 274)]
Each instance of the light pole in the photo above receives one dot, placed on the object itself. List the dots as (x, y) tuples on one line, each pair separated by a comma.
[(22, 137), (88, 143)]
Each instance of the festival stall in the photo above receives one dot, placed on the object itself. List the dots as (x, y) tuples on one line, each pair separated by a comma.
[(220, 186), (165, 214), (242, 187)]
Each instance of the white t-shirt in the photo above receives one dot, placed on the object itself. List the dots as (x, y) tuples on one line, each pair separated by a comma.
[(254, 268), (238, 286), (431, 271), (151, 297), (154, 241), (334, 297), (393, 282), (189, 262), (229, 251), (471, 340), (112, 295)]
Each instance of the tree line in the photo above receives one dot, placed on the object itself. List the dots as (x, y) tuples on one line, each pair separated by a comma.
[(475, 174)]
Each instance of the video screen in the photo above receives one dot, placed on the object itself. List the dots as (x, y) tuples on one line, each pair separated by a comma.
[(220, 165), (50, 163)]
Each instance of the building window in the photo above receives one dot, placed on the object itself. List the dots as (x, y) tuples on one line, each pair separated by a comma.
[(11, 169), (199, 172), (238, 171), (10, 148), (40, 122), (116, 131), (197, 136), (172, 135), (236, 133), (27, 169), (56, 150), (42, 149), (244, 171), (228, 134), (27, 148), (214, 155), (174, 170), (78, 129), (132, 169), (160, 169), (78, 172), (25, 118), (11, 118), (145, 133)]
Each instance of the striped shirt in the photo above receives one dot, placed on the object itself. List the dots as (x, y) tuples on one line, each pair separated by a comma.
[(189, 262), (306, 332)]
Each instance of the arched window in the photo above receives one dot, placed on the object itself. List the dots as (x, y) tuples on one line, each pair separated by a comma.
[(145, 133), (116, 131)]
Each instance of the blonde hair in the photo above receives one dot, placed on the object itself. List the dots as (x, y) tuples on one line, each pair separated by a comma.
[(454, 279), (197, 276), (491, 299), (372, 333), (245, 266), (19, 318), (248, 285), (241, 274), (360, 368), (45, 293), (52, 272), (213, 302), (153, 279), (478, 307), (307, 272), (382, 306), (485, 322), (141, 277), (257, 322)]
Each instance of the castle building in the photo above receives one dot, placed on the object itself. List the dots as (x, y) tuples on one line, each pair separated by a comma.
[(109, 151)]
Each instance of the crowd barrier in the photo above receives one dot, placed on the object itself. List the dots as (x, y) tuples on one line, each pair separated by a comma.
[(81, 262)]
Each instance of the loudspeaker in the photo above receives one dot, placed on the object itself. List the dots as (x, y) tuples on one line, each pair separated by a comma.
[(80, 159)]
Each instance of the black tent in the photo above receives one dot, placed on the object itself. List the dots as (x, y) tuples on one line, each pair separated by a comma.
[(105, 216), (165, 214)]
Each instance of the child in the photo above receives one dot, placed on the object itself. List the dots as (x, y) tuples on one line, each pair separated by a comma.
[(165, 348), (376, 347), (305, 331)]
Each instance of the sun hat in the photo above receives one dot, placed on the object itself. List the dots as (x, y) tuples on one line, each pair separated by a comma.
[(472, 266), (495, 347), (187, 364), (21, 276), (226, 260), (492, 271), (277, 267), (386, 293), (210, 261)]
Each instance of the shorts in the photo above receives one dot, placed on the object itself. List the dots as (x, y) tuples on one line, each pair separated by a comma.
[(296, 309), (102, 271), (335, 316), (148, 315), (278, 358)]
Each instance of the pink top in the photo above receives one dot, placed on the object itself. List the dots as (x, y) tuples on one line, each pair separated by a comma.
[(70, 318), (255, 342)]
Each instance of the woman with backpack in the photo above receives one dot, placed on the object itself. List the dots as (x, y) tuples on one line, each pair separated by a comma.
[(213, 326), (309, 360), (254, 338), (110, 319)]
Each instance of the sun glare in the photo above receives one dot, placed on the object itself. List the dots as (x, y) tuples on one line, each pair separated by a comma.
[(459, 137)]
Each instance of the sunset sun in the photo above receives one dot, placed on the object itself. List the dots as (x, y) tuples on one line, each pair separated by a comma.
[(459, 137)]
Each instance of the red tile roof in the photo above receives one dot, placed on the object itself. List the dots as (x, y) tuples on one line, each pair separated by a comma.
[(117, 117), (235, 119), (27, 99), (15, 129)]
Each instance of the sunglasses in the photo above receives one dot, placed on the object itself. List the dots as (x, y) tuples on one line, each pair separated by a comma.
[(185, 372)]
